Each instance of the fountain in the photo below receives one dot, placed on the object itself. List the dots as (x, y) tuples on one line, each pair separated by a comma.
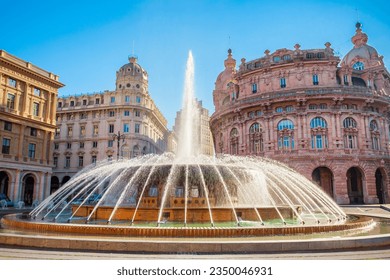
[(188, 195)]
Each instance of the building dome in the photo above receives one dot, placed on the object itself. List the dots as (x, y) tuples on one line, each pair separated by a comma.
[(131, 74), (361, 52)]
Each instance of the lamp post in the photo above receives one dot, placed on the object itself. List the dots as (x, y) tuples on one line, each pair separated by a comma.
[(118, 137)]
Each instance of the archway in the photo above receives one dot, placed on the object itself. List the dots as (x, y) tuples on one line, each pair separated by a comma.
[(28, 189), (379, 183), (64, 180), (355, 185), (54, 184), (4, 183), (323, 176)]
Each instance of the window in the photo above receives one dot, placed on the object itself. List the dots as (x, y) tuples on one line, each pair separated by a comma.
[(285, 135), (111, 128), (350, 133), (289, 108), (8, 126), (81, 144), (126, 127), (279, 109), (94, 159), (55, 162), (67, 162), (346, 80), (110, 143), (126, 113), (84, 102), (70, 131), (94, 144), (36, 109), (138, 99), (6, 146), (276, 58), (111, 113), (349, 122), (37, 92), (56, 146), (128, 84), (127, 98), (375, 135), (255, 138), (59, 104), (97, 101), (82, 130), (33, 131), (71, 103), (358, 66), (282, 82), (254, 88), (31, 150), (323, 106), (137, 113), (69, 145), (137, 128), (57, 133), (310, 55), (112, 99), (286, 57), (95, 130), (12, 82), (315, 79), (11, 101), (81, 161), (234, 141), (285, 124), (319, 133)]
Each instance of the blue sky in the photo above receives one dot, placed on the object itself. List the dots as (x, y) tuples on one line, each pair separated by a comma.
[(85, 42)]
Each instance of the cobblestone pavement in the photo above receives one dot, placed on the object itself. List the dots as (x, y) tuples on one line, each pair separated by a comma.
[(371, 210)]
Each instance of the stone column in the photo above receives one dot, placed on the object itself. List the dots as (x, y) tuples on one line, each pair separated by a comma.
[(46, 191), (21, 144), (17, 187), (48, 106), (44, 147), (25, 105)]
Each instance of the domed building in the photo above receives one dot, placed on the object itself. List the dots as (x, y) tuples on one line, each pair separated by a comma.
[(106, 125), (326, 118)]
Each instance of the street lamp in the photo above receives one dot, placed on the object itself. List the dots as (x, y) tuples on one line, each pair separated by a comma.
[(118, 137)]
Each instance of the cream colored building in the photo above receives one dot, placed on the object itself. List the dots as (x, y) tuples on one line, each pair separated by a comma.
[(28, 98), (88, 125), (202, 132)]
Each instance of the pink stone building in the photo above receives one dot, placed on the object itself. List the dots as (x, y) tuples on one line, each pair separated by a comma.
[(327, 118)]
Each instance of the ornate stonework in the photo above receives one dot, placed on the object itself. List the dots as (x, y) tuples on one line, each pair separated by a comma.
[(326, 118)]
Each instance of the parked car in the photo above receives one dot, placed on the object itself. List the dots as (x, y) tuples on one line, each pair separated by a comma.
[(3, 196)]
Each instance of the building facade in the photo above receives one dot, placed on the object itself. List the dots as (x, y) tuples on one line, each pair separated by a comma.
[(327, 118), (202, 129), (124, 122), (28, 98)]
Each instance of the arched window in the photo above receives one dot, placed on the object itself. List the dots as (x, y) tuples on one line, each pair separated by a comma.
[(358, 66), (375, 135), (255, 138), (285, 135), (319, 133), (349, 123), (234, 139), (350, 133)]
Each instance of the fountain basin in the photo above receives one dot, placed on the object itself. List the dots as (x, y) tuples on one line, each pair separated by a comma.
[(16, 221)]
